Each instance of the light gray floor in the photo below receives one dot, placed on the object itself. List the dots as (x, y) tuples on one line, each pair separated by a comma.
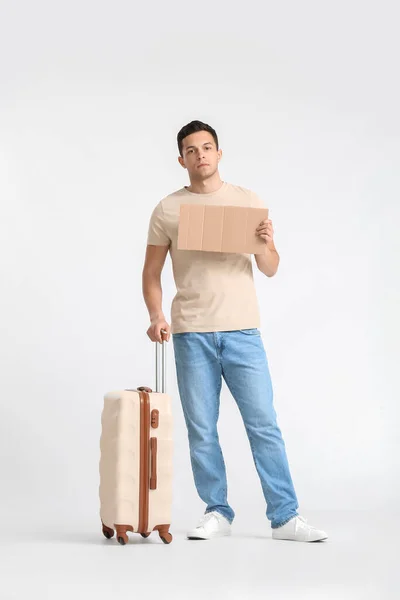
[(357, 561)]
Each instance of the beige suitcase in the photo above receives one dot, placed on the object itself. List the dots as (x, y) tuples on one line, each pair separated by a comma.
[(136, 451)]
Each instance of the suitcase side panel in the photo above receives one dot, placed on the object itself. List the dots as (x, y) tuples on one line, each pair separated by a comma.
[(120, 459), (160, 499)]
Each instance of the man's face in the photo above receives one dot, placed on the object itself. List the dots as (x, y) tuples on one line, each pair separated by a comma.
[(200, 155)]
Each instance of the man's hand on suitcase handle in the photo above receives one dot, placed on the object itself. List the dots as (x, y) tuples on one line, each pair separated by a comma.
[(154, 331)]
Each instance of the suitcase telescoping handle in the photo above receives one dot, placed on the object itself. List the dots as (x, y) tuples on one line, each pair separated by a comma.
[(161, 365)]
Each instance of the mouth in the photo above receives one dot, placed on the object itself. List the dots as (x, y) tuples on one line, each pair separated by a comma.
[(203, 165)]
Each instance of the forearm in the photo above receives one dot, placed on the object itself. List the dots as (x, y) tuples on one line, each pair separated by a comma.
[(152, 294), (268, 262)]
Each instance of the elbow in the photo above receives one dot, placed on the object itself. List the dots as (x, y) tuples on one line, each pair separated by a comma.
[(268, 273), (276, 266), (150, 278), (151, 272)]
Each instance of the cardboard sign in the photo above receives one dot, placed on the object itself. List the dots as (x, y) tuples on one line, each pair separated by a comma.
[(221, 228)]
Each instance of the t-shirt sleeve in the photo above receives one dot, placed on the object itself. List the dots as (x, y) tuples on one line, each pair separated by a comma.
[(157, 234), (257, 202)]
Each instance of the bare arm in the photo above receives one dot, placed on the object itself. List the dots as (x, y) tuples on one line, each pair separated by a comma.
[(152, 290), (268, 263)]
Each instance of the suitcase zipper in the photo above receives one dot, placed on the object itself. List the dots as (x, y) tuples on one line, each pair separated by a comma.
[(144, 461)]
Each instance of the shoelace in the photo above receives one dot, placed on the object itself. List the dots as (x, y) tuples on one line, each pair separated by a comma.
[(205, 518), (305, 521), (302, 519)]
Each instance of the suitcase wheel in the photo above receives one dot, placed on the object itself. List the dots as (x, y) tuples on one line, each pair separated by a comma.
[(122, 539), (166, 538), (145, 535), (122, 536), (108, 532)]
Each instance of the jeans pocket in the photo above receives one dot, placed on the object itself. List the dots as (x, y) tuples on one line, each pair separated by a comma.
[(252, 331)]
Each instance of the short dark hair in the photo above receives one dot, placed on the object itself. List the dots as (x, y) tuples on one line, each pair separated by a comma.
[(191, 128)]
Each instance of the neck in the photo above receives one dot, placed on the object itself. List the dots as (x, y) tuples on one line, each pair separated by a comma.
[(206, 186)]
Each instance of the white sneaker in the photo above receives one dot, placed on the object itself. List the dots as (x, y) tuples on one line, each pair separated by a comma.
[(298, 530), (212, 524)]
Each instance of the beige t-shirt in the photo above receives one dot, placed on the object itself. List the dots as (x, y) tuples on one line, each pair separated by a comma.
[(215, 290)]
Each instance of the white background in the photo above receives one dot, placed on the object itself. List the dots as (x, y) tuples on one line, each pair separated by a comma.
[(304, 97)]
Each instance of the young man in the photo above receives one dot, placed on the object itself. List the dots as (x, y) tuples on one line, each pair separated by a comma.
[(214, 327)]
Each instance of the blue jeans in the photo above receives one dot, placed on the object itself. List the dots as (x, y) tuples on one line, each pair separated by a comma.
[(202, 359)]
